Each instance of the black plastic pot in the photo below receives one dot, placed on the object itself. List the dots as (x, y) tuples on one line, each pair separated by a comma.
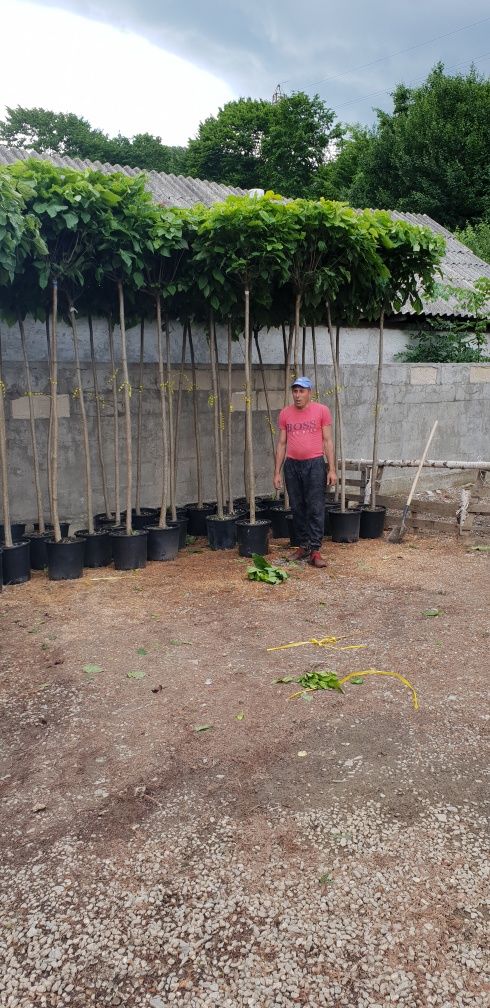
[(196, 519), (278, 521), (129, 551), (253, 538), (102, 520), (372, 522), (327, 527), (1, 569), (98, 547), (16, 563), (293, 535), (221, 532), (38, 548), (163, 543), (345, 525), (182, 524), (17, 530), (64, 528), (65, 559)]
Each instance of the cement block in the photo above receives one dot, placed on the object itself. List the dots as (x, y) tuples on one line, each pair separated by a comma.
[(480, 373), (20, 407), (421, 375), (276, 401), (238, 401)]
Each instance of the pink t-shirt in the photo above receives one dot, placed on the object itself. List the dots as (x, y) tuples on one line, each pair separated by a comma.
[(304, 429)]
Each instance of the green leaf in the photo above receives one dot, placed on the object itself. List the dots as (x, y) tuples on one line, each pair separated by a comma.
[(141, 651), (203, 727), (240, 716), (432, 612), (285, 679), (136, 674), (325, 879), (71, 220), (357, 681), (92, 669)]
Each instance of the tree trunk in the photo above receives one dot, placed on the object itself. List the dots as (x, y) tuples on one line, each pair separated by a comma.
[(161, 384), (32, 421), (303, 352), (127, 411), (53, 456), (339, 427), (50, 423), (195, 411), (214, 387), (98, 416), (229, 446), (179, 392), (248, 411), (7, 531), (83, 414), (115, 400), (221, 422), (137, 503), (336, 451), (374, 470), (315, 362), (266, 393), (297, 308), (172, 466), (287, 382)]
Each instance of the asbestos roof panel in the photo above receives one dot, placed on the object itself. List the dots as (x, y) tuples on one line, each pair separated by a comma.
[(460, 267)]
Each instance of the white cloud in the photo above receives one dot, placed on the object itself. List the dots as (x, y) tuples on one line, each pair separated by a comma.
[(119, 81)]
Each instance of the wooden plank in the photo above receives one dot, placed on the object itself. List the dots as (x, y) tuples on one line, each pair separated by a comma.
[(480, 507), (431, 523), (441, 508)]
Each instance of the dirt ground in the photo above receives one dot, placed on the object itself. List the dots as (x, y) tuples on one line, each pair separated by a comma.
[(93, 755)]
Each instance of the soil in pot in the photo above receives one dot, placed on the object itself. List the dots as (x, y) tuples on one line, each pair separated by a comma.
[(372, 522), (221, 532), (98, 547), (327, 527), (17, 529), (64, 528), (163, 543), (65, 559), (129, 551), (38, 550), (278, 521), (16, 563), (253, 538), (345, 525)]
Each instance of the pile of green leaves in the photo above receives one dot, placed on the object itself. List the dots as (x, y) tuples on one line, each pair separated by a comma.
[(318, 680), (263, 571)]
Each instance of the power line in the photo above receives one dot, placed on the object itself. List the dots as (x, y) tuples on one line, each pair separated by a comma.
[(373, 94), (381, 59)]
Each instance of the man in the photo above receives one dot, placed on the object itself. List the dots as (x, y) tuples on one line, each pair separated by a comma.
[(305, 439)]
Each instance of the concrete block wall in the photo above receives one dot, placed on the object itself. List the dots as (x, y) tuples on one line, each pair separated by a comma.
[(413, 396)]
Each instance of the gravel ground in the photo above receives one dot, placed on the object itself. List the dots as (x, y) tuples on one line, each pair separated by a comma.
[(331, 853)]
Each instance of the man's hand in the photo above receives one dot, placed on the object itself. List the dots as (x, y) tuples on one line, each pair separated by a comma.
[(331, 477), (277, 481)]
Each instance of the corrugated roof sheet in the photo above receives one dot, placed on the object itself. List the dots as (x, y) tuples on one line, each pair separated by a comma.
[(460, 267)]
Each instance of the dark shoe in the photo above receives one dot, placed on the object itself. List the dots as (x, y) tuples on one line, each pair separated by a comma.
[(317, 560), (301, 553)]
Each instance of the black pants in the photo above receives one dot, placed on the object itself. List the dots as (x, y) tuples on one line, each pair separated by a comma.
[(306, 486)]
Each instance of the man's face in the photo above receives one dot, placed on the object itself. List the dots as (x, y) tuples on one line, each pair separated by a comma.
[(301, 396)]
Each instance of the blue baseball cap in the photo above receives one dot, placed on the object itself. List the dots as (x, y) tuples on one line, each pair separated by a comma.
[(302, 382)]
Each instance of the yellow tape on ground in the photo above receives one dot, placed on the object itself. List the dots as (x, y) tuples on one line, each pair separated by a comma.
[(326, 642), (393, 675)]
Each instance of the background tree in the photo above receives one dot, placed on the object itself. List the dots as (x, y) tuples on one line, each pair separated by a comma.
[(477, 238)]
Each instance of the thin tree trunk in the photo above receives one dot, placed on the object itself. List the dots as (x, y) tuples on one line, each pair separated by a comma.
[(266, 393), (179, 392), (127, 411), (50, 423), (98, 416), (284, 340), (115, 400), (53, 458), (173, 474), (297, 309), (339, 430), (315, 362), (248, 411), (137, 503), (336, 411), (161, 384), (83, 414), (287, 378), (220, 419), (303, 352), (229, 456), (374, 470), (7, 530), (195, 411), (214, 386), (32, 420)]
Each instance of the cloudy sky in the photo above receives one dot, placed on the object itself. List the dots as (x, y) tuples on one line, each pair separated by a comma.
[(164, 65)]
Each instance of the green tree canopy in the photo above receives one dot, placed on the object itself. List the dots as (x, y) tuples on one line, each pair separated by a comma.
[(430, 155)]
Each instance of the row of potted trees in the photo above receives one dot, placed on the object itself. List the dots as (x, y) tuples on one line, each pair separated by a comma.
[(84, 243)]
